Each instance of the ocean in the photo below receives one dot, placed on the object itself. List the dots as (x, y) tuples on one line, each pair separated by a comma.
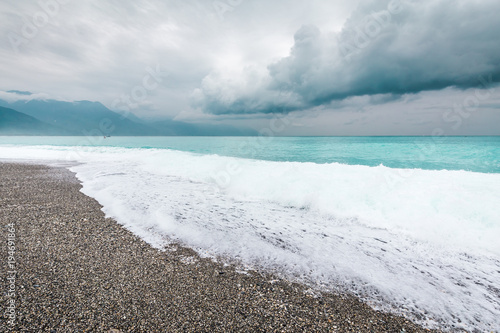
[(409, 224)]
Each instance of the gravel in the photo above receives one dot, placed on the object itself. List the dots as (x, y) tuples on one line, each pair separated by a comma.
[(78, 271)]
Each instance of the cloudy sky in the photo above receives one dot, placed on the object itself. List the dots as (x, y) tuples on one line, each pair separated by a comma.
[(322, 67)]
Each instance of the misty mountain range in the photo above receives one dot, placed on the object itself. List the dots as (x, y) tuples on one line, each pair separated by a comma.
[(52, 117)]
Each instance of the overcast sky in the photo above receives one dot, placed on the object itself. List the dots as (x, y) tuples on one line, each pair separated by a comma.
[(400, 67)]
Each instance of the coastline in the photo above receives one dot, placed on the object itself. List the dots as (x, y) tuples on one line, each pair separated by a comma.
[(79, 271)]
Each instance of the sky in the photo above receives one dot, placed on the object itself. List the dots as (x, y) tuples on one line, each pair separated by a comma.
[(294, 67)]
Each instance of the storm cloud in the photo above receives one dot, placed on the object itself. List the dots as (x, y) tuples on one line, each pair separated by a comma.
[(336, 67), (385, 48)]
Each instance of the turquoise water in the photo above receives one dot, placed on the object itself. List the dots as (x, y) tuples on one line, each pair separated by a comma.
[(478, 154), (425, 238)]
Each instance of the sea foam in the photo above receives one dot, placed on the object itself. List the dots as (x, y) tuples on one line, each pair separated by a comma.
[(419, 242)]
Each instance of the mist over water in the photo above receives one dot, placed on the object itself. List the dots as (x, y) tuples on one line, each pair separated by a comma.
[(416, 235)]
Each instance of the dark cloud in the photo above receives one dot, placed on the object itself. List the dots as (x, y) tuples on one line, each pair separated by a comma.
[(261, 59), (385, 48), (99, 50)]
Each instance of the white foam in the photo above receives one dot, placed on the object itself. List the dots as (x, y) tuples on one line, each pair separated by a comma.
[(424, 242)]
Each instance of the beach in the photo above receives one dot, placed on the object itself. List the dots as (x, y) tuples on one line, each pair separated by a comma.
[(77, 271)]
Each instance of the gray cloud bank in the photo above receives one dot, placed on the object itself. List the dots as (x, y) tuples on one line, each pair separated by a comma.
[(385, 48)]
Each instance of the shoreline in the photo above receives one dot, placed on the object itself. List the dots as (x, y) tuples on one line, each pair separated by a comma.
[(79, 271)]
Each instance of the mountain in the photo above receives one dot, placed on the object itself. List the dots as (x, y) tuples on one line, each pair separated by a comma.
[(82, 118), (17, 123), (94, 119)]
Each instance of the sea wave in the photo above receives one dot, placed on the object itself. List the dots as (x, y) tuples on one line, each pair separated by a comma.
[(417, 241)]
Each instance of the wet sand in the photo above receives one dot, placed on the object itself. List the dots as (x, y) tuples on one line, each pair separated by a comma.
[(78, 271)]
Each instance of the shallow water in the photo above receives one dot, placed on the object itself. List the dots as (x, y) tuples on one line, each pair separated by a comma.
[(417, 234)]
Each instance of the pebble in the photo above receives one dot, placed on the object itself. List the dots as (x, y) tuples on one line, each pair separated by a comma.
[(99, 277)]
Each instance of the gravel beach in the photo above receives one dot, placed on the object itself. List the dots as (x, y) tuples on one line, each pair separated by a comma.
[(77, 271)]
